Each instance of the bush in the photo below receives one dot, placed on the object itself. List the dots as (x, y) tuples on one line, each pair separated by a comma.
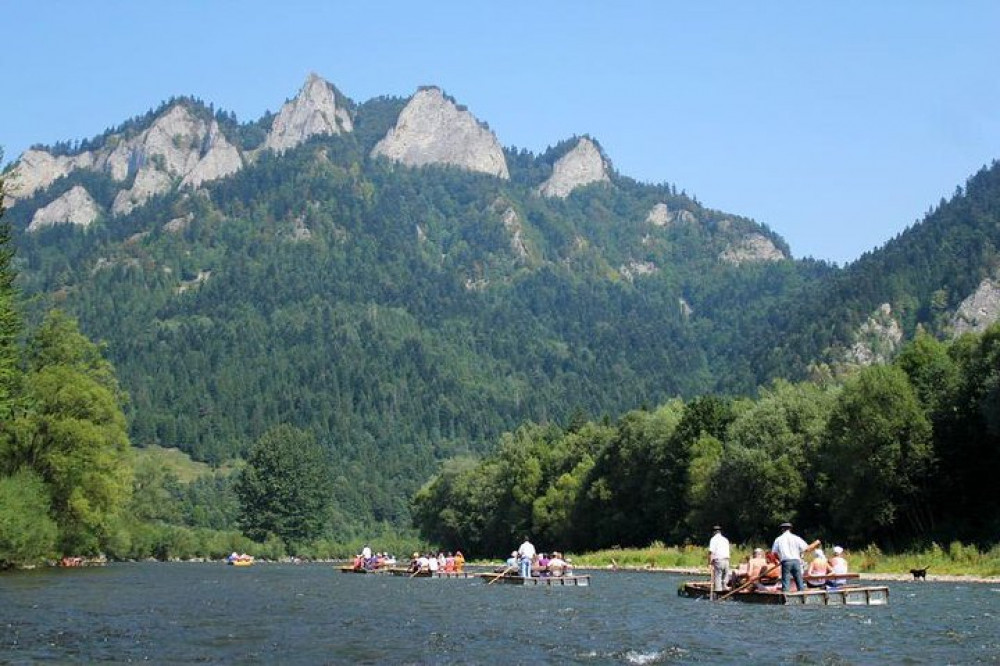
[(27, 534)]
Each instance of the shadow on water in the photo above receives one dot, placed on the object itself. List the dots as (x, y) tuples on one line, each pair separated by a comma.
[(313, 614)]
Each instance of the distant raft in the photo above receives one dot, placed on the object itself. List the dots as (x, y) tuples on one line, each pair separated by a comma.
[(570, 580), (408, 573), (347, 568)]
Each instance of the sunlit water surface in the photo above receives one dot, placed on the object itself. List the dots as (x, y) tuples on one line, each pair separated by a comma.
[(313, 614)]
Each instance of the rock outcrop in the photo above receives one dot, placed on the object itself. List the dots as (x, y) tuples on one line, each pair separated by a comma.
[(313, 111), (635, 269), (754, 247), (74, 207), (179, 147), (979, 310), (219, 159), (148, 182), (581, 166), (512, 223), (877, 340), (660, 215), (431, 129), (37, 169)]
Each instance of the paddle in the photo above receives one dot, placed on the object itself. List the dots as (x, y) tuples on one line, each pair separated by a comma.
[(415, 572), (500, 575), (711, 582)]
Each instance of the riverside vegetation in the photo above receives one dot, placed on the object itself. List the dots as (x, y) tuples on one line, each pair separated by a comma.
[(405, 364), (956, 559)]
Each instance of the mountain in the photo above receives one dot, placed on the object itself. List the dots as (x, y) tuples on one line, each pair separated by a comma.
[(388, 276)]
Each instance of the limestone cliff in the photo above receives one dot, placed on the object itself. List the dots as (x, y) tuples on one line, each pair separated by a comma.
[(431, 129), (179, 147), (219, 159), (754, 247), (581, 166), (313, 111), (979, 310), (74, 207), (37, 169)]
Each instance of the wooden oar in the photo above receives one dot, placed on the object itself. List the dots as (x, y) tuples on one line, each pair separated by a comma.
[(415, 572), (500, 575)]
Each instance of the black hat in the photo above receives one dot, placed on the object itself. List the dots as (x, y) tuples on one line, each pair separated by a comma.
[(716, 528), (785, 525)]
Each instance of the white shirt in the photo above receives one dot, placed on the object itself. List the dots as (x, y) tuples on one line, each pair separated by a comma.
[(789, 546), (527, 550), (718, 547)]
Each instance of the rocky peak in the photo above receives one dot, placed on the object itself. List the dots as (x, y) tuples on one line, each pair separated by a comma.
[(74, 207), (753, 247), (431, 129), (313, 111), (581, 166), (178, 145), (978, 310)]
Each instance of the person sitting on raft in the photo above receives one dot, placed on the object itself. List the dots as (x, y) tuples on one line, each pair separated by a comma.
[(838, 565), (557, 565), (540, 565), (764, 568), (819, 566)]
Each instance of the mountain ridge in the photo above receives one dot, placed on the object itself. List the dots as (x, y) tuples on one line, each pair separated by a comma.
[(407, 314)]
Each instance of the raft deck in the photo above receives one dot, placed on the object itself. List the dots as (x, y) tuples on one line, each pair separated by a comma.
[(850, 595)]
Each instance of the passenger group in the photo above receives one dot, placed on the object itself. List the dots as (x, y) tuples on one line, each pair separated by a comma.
[(780, 568)]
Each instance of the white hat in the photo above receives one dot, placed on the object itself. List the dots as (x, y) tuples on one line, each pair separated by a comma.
[(837, 550), (820, 554)]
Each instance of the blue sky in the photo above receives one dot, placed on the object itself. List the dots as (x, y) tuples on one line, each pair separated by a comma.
[(836, 124)]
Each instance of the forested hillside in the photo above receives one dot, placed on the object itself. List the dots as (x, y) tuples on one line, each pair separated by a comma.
[(406, 315)]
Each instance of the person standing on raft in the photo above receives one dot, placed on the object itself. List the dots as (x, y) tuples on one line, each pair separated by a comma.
[(789, 547)]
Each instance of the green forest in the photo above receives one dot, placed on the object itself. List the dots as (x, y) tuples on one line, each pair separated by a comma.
[(898, 455), (377, 320)]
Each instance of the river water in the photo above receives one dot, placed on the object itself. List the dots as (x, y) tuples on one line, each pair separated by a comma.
[(313, 614)]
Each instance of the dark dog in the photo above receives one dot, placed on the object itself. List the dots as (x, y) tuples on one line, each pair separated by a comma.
[(919, 574)]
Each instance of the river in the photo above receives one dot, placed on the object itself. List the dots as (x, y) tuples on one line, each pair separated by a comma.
[(313, 614)]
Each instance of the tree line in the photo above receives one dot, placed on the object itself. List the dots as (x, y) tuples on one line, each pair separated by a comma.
[(897, 455)]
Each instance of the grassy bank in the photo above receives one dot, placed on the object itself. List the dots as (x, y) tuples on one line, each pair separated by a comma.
[(954, 559)]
